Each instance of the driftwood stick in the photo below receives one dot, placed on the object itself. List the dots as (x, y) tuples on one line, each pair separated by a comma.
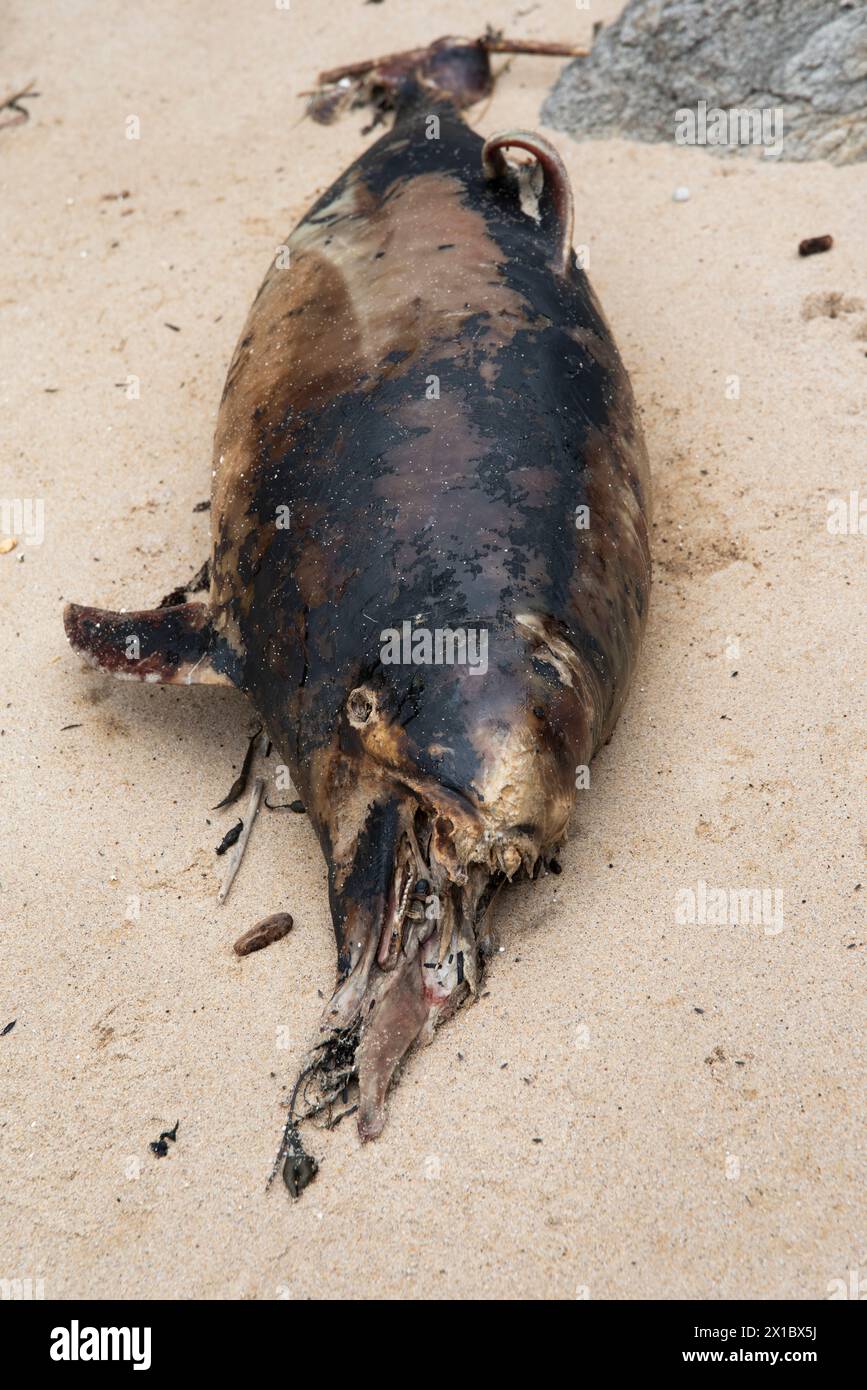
[(237, 851), (494, 43)]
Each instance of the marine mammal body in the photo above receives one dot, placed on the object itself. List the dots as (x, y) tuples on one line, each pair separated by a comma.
[(425, 421)]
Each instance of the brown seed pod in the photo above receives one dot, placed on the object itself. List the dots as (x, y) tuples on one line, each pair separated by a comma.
[(272, 928)]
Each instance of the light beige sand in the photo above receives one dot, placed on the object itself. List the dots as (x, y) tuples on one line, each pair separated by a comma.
[(697, 1090)]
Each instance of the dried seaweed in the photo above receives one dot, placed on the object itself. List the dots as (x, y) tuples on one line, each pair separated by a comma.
[(323, 1080), (12, 103), (239, 785), (297, 806), (159, 1146), (200, 580), (230, 838)]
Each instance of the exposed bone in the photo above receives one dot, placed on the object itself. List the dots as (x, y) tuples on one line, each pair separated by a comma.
[(412, 964), (446, 921), (405, 877)]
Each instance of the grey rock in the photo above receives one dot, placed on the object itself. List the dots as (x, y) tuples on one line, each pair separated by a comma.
[(806, 60)]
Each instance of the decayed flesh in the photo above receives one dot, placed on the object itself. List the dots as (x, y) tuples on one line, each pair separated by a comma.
[(453, 69)]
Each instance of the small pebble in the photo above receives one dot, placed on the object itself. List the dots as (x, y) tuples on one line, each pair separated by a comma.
[(681, 194), (814, 245)]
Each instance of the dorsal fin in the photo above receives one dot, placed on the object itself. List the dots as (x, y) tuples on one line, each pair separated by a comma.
[(175, 646), (556, 203)]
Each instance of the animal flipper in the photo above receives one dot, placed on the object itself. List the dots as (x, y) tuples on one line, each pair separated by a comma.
[(177, 645)]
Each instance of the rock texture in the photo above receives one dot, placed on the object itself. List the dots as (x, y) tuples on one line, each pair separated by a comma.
[(808, 57)]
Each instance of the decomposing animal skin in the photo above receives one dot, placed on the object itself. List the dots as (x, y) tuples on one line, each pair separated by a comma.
[(427, 448)]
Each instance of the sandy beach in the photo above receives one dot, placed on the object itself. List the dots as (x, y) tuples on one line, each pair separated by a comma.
[(639, 1105)]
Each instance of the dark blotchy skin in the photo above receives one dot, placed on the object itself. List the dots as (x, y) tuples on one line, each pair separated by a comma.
[(419, 402)]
